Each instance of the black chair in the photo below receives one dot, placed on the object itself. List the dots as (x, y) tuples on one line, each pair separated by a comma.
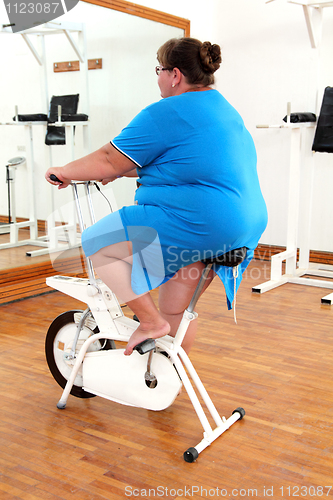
[(55, 135)]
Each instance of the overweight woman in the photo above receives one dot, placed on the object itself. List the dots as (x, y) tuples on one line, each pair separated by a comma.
[(198, 194)]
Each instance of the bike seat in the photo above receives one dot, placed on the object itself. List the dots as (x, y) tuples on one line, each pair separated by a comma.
[(229, 259)]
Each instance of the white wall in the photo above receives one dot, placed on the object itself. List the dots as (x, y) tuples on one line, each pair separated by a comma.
[(268, 61)]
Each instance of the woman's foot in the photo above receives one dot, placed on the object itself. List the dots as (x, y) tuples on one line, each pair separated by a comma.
[(147, 331)]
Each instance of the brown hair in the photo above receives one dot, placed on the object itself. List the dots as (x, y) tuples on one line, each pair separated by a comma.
[(196, 60)]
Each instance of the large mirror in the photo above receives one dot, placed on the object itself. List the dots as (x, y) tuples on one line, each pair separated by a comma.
[(125, 37)]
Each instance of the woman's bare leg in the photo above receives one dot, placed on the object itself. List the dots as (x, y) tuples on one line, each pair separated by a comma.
[(175, 296), (152, 324), (113, 265)]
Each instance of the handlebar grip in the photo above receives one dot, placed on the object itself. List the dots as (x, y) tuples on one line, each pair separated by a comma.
[(54, 178)]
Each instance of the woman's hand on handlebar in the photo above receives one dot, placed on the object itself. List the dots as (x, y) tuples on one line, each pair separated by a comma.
[(53, 176)]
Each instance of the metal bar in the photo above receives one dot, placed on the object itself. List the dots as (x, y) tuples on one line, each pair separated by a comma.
[(309, 26), (84, 316), (74, 45), (78, 206), (200, 387), (192, 395), (70, 382), (199, 288), (208, 439), (8, 179), (90, 204), (32, 48), (90, 268)]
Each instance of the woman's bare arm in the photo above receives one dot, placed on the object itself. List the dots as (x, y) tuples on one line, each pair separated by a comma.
[(106, 164)]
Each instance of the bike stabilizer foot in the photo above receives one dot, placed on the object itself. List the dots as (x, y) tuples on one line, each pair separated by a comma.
[(191, 455)]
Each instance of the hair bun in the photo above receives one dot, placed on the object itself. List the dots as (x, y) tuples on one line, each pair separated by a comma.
[(210, 56)]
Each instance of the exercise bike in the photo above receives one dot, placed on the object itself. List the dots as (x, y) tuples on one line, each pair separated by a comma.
[(84, 357)]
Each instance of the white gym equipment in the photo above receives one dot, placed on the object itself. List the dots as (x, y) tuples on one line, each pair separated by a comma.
[(313, 13), (11, 167), (301, 172), (84, 359), (34, 37)]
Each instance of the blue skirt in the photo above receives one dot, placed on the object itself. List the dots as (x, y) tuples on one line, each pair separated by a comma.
[(162, 245)]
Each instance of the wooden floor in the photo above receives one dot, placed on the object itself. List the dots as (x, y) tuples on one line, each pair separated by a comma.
[(276, 363), (24, 276), (16, 256)]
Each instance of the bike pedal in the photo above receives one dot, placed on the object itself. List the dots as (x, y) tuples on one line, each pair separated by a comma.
[(145, 346)]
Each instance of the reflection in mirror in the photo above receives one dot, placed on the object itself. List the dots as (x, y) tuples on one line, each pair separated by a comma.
[(127, 45)]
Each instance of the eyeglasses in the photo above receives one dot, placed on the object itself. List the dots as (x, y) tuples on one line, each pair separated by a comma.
[(159, 69)]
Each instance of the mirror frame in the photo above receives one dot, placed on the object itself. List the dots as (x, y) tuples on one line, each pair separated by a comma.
[(145, 12)]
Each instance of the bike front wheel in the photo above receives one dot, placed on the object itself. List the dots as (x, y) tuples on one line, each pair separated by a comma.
[(58, 343)]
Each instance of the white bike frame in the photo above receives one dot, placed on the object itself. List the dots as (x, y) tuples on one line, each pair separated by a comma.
[(120, 378)]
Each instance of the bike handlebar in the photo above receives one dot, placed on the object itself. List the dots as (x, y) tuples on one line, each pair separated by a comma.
[(54, 178)]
